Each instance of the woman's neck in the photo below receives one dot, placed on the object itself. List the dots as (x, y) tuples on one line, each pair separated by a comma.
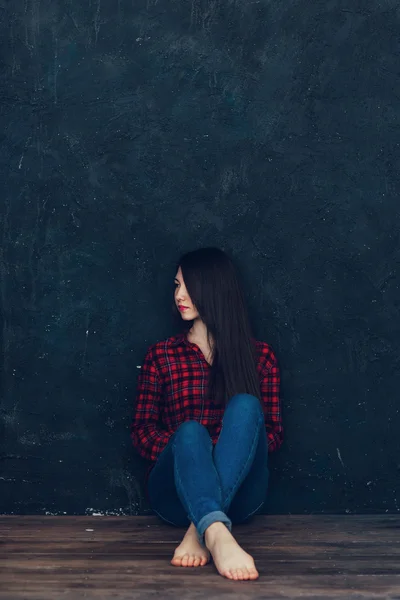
[(198, 332), (198, 335)]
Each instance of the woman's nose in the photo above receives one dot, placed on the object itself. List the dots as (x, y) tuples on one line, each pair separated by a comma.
[(181, 295)]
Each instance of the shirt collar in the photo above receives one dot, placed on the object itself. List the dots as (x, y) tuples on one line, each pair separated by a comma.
[(179, 340)]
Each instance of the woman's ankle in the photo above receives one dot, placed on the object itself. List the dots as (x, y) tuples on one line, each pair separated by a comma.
[(214, 531)]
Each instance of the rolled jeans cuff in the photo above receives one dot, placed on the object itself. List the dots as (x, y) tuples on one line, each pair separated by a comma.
[(207, 520)]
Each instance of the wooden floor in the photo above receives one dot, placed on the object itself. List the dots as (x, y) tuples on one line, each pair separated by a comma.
[(308, 557)]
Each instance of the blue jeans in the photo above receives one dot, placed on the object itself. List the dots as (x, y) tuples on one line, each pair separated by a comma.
[(194, 481)]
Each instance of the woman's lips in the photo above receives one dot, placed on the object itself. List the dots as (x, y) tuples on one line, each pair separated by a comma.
[(183, 308)]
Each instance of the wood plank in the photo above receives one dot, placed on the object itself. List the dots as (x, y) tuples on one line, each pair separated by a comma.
[(317, 556)]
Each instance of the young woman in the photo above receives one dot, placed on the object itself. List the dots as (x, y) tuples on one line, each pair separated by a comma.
[(207, 414)]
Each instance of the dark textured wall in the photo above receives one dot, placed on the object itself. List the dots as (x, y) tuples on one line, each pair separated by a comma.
[(132, 131)]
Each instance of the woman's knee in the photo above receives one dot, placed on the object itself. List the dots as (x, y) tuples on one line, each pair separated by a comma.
[(189, 436), (245, 402), (190, 429)]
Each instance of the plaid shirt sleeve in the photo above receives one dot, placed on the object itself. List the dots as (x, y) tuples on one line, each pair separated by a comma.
[(147, 437), (270, 387)]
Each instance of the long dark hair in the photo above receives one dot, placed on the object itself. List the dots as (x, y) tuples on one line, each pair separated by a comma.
[(212, 282)]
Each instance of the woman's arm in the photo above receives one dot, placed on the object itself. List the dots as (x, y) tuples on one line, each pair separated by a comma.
[(270, 388), (147, 437)]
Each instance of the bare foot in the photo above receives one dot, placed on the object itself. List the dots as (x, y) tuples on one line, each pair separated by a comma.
[(229, 558), (190, 553)]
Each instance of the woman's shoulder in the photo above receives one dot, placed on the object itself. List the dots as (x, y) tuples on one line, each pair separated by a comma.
[(266, 354), (161, 347)]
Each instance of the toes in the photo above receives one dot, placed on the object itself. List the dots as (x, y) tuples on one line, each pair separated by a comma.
[(237, 574), (242, 574), (232, 574), (189, 560), (185, 560), (253, 573)]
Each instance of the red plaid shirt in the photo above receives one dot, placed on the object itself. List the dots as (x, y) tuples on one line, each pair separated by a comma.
[(172, 387)]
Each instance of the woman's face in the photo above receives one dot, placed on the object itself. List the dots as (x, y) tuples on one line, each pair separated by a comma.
[(182, 299)]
